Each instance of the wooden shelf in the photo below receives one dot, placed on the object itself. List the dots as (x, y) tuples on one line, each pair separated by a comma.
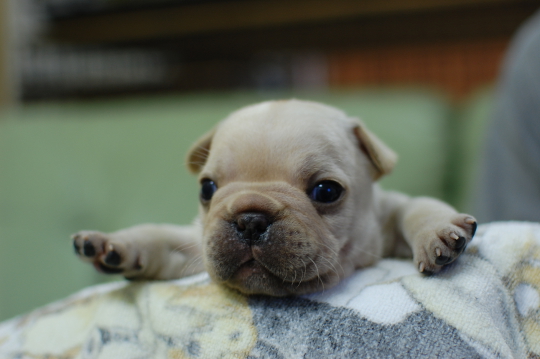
[(192, 19), (455, 45)]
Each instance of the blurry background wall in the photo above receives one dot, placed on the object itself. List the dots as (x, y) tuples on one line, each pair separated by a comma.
[(101, 98), (79, 48), (6, 94)]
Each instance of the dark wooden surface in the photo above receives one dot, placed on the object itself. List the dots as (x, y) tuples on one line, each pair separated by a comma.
[(195, 19)]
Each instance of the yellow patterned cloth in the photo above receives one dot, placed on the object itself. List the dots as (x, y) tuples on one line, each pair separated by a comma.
[(485, 305)]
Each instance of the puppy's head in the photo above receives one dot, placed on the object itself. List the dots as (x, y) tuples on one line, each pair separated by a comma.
[(286, 197)]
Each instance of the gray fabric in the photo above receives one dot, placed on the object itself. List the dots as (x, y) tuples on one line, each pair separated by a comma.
[(509, 186), (318, 330)]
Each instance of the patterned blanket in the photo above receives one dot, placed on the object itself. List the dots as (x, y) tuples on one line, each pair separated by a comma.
[(485, 305)]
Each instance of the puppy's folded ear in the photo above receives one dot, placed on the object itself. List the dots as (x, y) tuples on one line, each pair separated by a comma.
[(198, 153), (381, 156)]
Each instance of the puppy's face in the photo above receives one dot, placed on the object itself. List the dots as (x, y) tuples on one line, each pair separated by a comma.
[(286, 197)]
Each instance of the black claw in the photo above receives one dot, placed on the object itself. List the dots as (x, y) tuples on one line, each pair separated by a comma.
[(427, 272), (113, 258), (109, 270), (460, 242), (88, 249), (442, 260), (76, 247), (474, 226)]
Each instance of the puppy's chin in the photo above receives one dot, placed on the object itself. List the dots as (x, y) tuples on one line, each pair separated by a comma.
[(253, 278)]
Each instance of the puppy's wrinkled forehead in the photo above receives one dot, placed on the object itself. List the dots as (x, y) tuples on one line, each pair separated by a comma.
[(281, 140)]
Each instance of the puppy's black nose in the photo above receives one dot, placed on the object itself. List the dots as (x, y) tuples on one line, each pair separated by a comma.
[(252, 226)]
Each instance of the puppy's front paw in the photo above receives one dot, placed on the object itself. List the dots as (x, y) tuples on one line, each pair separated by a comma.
[(442, 244), (105, 254)]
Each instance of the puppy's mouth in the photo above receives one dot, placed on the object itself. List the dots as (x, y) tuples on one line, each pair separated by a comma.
[(254, 277), (249, 268), (251, 265)]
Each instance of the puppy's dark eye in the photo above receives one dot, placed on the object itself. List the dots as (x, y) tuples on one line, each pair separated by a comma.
[(208, 188), (326, 192)]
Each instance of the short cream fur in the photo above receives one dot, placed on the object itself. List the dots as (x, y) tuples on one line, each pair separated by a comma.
[(264, 160)]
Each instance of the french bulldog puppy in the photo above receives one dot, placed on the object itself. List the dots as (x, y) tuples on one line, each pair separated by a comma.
[(288, 205)]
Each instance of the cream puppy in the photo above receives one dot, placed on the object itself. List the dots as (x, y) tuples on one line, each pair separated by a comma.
[(288, 205)]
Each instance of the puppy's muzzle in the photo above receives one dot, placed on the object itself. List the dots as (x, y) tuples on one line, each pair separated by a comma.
[(265, 239), (252, 227)]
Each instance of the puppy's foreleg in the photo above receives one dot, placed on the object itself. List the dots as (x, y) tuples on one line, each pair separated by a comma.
[(148, 251), (436, 232)]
